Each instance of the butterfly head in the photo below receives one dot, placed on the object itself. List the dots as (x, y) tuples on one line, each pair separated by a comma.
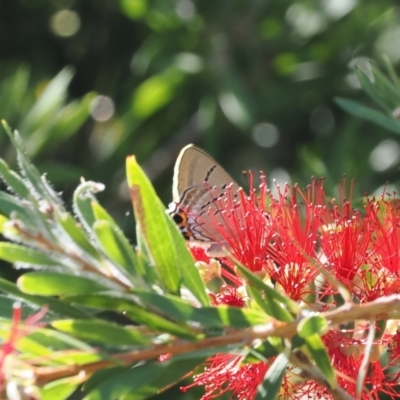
[(181, 219)]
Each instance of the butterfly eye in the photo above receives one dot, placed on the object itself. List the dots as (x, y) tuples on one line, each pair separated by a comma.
[(180, 219)]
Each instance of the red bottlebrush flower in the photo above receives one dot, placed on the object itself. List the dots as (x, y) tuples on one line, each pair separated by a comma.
[(291, 236), (9, 345), (199, 253), (345, 237), (242, 225), (381, 276), (229, 296), (224, 373), (17, 330), (363, 249), (295, 228), (207, 269)]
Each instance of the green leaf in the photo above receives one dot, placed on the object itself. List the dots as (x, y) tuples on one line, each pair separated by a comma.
[(209, 317), (161, 235), (101, 214), (115, 246), (13, 180), (60, 389), (11, 205), (315, 324), (271, 385), (59, 341), (190, 275), (32, 175), (49, 101), (82, 202), (368, 114), (54, 305), (372, 89), (7, 307), (388, 91), (317, 349), (67, 123), (75, 232), (124, 247), (282, 307), (102, 332), (141, 382), (156, 92), (124, 303), (151, 217), (57, 284), (16, 253), (391, 71)]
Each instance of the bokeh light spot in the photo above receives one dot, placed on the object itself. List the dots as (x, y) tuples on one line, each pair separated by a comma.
[(278, 177), (102, 108), (134, 9), (189, 62), (385, 155), (185, 9), (305, 21), (65, 23), (388, 44), (265, 135), (338, 8), (285, 63)]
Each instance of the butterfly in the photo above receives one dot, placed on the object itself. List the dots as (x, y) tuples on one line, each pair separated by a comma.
[(199, 187)]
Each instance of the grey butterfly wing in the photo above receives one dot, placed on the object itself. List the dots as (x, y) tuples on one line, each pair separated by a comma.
[(194, 168), (199, 185)]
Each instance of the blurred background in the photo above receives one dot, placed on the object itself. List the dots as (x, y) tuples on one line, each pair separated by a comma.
[(253, 82)]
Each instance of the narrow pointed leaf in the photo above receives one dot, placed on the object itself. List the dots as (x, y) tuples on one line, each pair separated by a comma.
[(71, 228), (57, 284), (317, 349), (165, 231), (190, 275), (58, 341), (270, 292), (209, 317), (391, 71), (127, 249), (102, 332), (55, 305), (368, 114), (388, 91), (16, 253), (271, 385), (115, 245), (10, 204), (315, 324), (123, 303), (142, 381), (372, 89), (29, 171), (60, 389), (154, 226), (13, 180), (82, 202), (100, 213)]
